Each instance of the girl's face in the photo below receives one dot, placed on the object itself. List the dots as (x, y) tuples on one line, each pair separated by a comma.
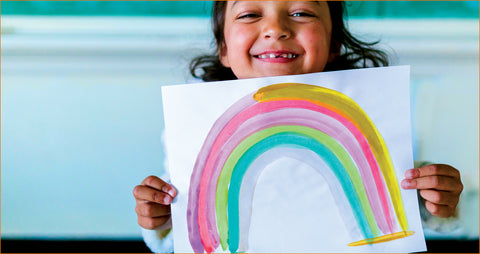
[(276, 38)]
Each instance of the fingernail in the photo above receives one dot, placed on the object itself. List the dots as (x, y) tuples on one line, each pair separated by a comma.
[(167, 200), (171, 192), (168, 190), (411, 173), (408, 184)]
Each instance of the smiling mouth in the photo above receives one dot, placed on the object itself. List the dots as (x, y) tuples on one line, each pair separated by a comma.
[(274, 55)]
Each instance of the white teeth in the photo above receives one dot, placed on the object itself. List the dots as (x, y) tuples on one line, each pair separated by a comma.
[(272, 55)]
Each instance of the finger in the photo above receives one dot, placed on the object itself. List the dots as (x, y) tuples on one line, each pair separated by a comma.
[(152, 223), (440, 197), (157, 183), (145, 193), (431, 170), (442, 211), (150, 209), (443, 183)]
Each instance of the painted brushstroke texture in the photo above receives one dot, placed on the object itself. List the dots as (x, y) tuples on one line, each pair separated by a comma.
[(364, 159), (284, 112), (205, 152)]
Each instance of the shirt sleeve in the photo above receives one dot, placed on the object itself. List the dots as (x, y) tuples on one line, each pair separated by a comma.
[(160, 240)]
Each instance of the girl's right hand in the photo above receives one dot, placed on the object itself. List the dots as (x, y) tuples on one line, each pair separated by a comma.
[(153, 197)]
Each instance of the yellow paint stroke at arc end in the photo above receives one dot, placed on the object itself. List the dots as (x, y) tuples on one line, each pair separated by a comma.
[(345, 104), (383, 238)]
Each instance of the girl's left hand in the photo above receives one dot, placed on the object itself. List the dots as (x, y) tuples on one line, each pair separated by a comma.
[(439, 184)]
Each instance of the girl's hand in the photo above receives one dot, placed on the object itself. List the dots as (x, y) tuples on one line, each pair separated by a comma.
[(439, 184), (153, 197)]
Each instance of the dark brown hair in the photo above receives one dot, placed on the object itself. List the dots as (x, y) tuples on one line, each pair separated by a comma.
[(351, 52)]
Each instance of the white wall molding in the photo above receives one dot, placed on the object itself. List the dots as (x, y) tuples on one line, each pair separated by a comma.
[(163, 46), (97, 35)]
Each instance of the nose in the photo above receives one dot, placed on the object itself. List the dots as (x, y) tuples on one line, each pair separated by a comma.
[(276, 29)]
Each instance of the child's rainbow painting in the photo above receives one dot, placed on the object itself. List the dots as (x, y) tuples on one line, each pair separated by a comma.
[(306, 119)]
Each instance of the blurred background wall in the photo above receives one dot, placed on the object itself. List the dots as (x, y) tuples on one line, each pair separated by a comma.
[(81, 110)]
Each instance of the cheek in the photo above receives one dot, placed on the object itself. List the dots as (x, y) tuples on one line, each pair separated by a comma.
[(317, 44), (238, 40), (318, 41)]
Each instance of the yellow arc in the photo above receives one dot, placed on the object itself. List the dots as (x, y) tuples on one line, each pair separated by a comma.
[(349, 107), (383, 238)]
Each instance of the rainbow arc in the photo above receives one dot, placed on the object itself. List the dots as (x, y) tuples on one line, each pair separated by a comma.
[(302, 117)]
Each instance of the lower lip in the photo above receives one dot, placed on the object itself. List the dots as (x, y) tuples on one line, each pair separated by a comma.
[(277, 60)]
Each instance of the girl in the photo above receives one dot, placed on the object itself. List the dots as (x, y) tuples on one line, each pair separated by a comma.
[(259, 39)]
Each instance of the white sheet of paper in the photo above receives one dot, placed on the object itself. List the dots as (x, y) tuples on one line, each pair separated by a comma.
[(293, 208)]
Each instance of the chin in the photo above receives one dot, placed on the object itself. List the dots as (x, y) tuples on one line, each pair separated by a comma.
[(263, 74), (277, 73)]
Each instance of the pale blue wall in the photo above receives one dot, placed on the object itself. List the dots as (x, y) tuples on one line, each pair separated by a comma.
[(72, 151), (81, 115)]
